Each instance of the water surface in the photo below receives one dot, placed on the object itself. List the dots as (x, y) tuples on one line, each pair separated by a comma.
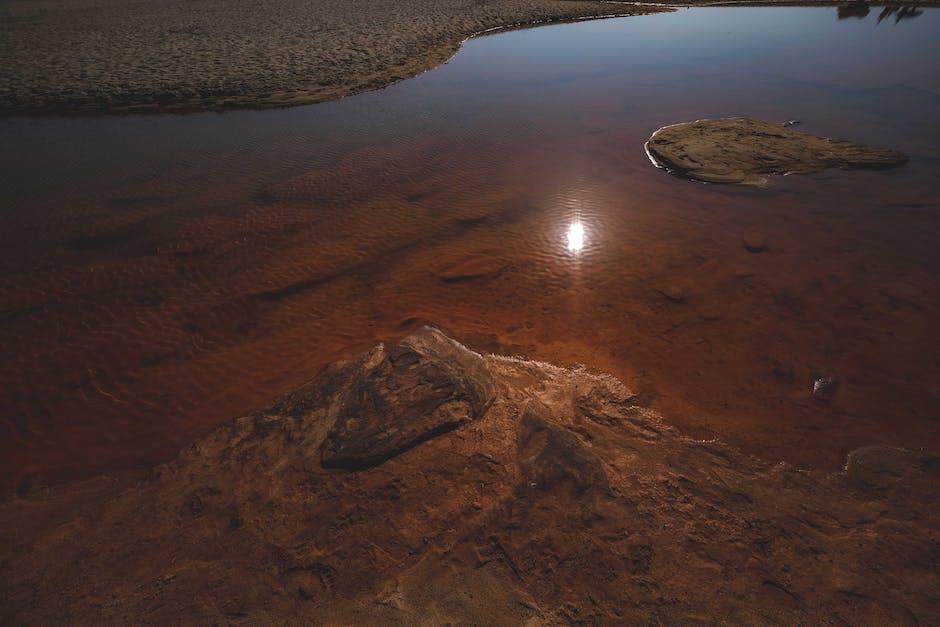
[(161, 274)]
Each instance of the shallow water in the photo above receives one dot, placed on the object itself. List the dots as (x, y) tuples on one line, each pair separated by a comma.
[(161, 274)]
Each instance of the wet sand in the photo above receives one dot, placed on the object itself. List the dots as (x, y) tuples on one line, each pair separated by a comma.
[(95, 56)]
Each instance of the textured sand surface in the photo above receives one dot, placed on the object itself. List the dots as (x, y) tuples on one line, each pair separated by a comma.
[(739, 151), (425, 484), (102, 55)]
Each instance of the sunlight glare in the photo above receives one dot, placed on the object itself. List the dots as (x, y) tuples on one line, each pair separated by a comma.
[(575, 237)]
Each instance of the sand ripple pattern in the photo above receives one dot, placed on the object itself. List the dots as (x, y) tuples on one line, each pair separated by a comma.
[(161, 274)]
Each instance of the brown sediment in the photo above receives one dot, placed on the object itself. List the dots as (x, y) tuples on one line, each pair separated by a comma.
[(179, 55), (740, 151), (115, 355), (138, 317), (424, 483)]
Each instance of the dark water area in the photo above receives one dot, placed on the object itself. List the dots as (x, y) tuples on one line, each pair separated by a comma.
[(162, 274)]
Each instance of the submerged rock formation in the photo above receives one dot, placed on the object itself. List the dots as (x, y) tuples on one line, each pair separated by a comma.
[(740, 150), (425, 484)]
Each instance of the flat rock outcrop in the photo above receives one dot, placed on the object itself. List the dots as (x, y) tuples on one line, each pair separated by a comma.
[(741, 151), (427, 484)]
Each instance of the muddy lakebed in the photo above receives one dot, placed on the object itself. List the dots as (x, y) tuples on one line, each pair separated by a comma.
[(162, 274)]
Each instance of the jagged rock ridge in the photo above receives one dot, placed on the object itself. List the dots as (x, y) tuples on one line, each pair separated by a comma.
[(417, 390), (425, 484)]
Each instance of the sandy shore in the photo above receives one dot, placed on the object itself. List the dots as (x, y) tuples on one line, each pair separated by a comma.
[(87, 56), (98, 56)]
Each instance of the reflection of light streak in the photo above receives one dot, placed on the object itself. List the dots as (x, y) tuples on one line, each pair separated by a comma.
[(576, 237)]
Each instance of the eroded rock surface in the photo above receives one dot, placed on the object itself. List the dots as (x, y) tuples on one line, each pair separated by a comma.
[(425, 386), (427, 484), (742, 150)]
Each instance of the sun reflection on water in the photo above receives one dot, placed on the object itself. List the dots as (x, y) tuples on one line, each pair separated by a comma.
[(575, 236)]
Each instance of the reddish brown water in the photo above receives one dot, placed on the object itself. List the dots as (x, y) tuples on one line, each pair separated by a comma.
[(163, 274)]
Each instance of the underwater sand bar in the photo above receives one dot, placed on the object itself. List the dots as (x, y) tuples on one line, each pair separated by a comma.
[(97, 56), (740, 151)]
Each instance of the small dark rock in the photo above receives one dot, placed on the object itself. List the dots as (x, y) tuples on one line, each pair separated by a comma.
[(780, 369), (755, 244), (673, 294), (824, 388)]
